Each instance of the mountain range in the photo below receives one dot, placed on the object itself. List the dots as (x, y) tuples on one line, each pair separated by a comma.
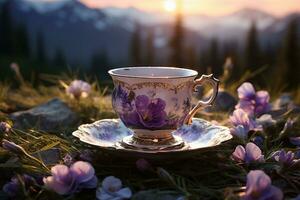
[(80, 31)]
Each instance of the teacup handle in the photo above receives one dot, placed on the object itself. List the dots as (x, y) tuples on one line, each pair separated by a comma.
[(202, 104)]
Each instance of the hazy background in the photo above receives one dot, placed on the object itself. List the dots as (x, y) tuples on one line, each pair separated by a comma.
[(92, 36)]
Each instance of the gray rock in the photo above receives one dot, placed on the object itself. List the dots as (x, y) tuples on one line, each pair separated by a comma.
[(225, 102), (53, 116), (49, 156)]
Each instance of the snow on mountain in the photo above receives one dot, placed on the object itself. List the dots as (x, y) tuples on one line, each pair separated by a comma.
[(232, 26), (135, 15), (44, 6)]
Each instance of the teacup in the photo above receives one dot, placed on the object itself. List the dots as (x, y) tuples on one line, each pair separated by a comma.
[(155, 101)]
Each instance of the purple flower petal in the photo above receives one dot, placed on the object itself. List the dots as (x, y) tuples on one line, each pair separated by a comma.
[(58, 186), (111, 184), (78, 88), (247, 106), (240, 117), (61, 181), (239, 153), (103, 195), (240, 131), (253, 153), (91, 183), (262, 102), (124, 193), (246, 91), (11, 188), (61, 172), (82, 171), (151, 111), (273, 193), (141, 103), (5, 127), (257, 182), (284, 157)]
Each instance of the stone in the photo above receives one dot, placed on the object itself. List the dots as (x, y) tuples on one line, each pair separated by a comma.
[(225, 102), (52, 116), (49, 157)]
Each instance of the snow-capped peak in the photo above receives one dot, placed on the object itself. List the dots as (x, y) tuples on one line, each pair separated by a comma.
[(43, 6)]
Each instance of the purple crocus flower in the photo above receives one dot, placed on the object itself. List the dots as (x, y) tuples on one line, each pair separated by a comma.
[(259, 187), (243, 124), (240, 117), (253, 103), (251, 153), (111, 189), (288, 125), (11, 188), (78, 89), (151, 111), (5, 127), (65, 180), (12, 147), (285, 158)]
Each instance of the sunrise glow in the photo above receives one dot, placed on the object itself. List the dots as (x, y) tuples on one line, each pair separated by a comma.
[(170, 5), (206, 7)]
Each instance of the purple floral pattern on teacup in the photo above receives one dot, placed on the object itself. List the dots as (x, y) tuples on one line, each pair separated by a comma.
[(144, 111)]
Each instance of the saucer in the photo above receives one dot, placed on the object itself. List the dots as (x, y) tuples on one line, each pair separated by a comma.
[(108, 134)]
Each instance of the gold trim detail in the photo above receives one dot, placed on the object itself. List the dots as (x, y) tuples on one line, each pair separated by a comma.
[(155, 85)]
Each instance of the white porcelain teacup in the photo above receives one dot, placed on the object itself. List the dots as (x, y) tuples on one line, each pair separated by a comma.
[(154, 101)]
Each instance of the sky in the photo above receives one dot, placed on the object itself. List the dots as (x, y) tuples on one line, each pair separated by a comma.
[(205, 7)]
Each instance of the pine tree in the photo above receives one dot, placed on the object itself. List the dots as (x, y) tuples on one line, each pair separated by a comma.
[(150, 49), (214, 57), (21, 45), (6, 30), (252, 49), (40, 48), (59, 58), (135, 48), (191, 56), (100, 64), (177, 42), (290, 58)]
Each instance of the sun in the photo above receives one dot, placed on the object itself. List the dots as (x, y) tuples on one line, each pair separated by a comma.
[(170, 5)]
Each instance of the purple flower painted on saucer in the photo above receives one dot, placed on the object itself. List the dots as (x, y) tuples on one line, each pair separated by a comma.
[(283, 157), (66, 181), (252, 102), (124, 105), (151, 111), (190, 133), (251, 153), (259, 187)]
